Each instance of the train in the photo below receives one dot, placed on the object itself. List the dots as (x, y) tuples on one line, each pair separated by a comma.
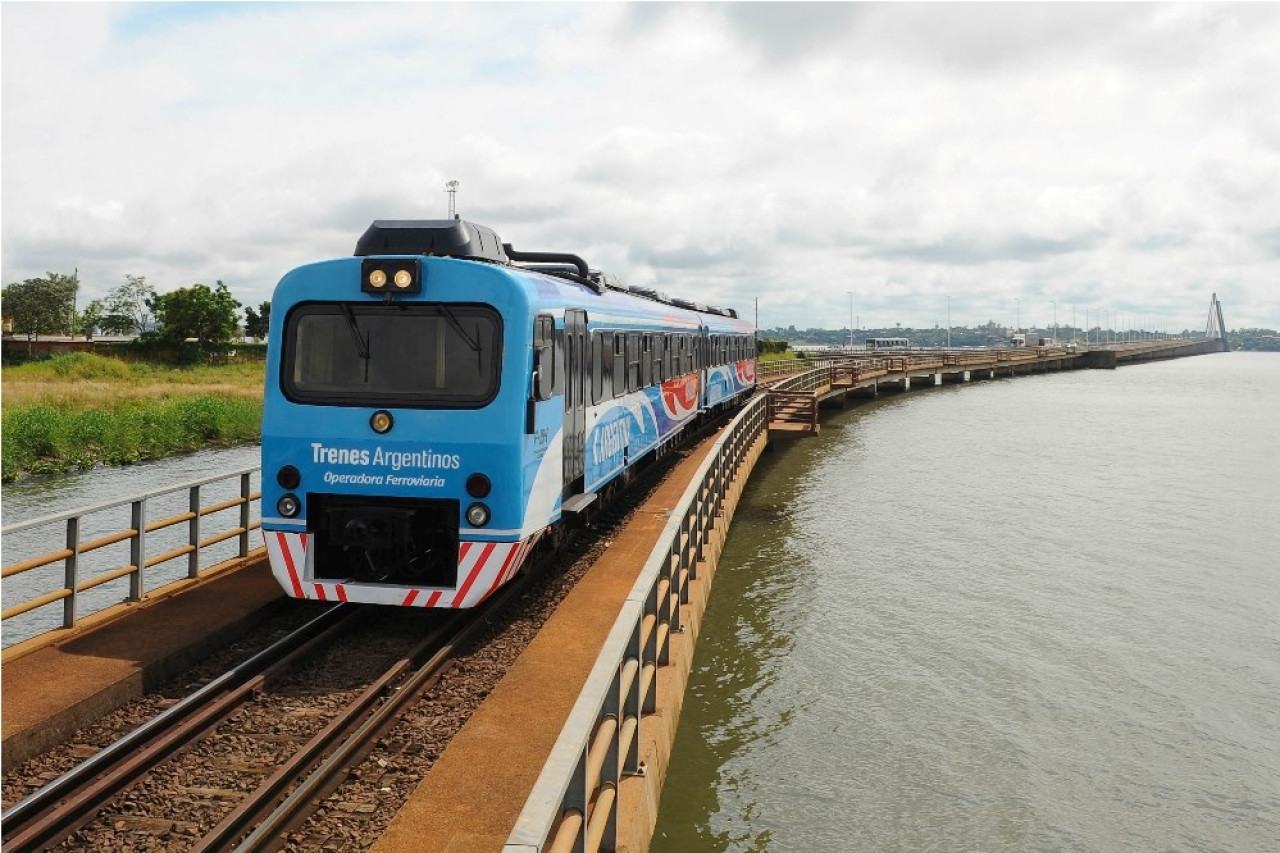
[(439, 406)]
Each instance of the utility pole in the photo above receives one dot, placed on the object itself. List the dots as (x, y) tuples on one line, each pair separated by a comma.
[(850, 320), (948, 321)]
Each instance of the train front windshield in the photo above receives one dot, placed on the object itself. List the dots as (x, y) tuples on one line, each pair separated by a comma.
[(421, 355)]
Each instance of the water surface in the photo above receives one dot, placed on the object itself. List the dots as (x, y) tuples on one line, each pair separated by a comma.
[(1029, 614), (58, 493)]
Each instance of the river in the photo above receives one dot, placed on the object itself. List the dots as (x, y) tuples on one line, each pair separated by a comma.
[(53, 494), (1031, 614)]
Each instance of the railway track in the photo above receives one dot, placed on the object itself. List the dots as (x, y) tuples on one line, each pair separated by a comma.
[(343, 765), (54, 815)]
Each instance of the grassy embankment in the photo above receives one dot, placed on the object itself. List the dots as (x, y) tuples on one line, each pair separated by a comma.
[(81, 410)]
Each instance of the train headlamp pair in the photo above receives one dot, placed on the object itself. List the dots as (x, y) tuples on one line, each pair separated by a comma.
[(391, 276), (378, 279)]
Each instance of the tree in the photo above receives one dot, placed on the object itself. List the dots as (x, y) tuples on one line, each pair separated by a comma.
[(42, 306), (257, 323), (128, 307), (97, 315), (208, 315), (91, 317)]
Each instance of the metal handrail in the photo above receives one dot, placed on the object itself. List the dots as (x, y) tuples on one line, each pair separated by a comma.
[(573, 805), (137, 536)]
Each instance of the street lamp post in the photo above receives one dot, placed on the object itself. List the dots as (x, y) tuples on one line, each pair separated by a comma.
[(948, 321)]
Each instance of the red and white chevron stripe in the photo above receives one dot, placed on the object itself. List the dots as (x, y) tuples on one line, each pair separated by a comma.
[(482, 568)]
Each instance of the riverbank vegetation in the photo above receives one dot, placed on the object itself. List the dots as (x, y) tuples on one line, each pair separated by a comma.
[(80, 410)]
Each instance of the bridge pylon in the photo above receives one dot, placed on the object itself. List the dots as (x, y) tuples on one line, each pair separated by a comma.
[(1215, 329)]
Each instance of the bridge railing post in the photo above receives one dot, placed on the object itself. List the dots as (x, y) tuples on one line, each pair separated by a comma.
[(193, 532), (72, 569), (138, 548), (245, 492)]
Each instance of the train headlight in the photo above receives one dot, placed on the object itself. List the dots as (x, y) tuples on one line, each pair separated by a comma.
[(288, 477), (381, 421), (390, 275), (478, 486), (288, 506), (477, 515)]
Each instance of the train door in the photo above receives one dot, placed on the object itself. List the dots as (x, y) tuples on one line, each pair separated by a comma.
[(575, 398)]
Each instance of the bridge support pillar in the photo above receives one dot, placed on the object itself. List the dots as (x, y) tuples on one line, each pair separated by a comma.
[(965, 375), (906, 383), (937, 378)]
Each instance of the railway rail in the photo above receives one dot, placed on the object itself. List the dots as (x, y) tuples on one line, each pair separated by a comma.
[(70, 801)]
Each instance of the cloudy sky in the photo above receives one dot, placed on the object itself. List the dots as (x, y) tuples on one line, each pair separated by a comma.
[(1012, 159)]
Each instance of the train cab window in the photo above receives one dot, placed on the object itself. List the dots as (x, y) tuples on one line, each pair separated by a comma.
[(415, 355)]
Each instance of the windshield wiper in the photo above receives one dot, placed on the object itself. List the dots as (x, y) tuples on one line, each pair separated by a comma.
[(457, 327), (362, 346)]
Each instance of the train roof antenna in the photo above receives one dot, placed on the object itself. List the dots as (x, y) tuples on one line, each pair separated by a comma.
[(452, 189)]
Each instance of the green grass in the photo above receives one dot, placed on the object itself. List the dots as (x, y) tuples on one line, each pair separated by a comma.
[(43, 438), (81, 410)]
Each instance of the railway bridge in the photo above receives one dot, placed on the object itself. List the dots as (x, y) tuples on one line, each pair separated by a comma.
[(566, 749)]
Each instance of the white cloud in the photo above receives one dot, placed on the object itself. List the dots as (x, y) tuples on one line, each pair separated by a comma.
[(1124, 157)]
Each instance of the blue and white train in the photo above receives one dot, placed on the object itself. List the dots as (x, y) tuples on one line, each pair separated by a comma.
[(439, 404)]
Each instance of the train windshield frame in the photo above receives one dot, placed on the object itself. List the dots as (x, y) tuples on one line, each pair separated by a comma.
[(425, 355)]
